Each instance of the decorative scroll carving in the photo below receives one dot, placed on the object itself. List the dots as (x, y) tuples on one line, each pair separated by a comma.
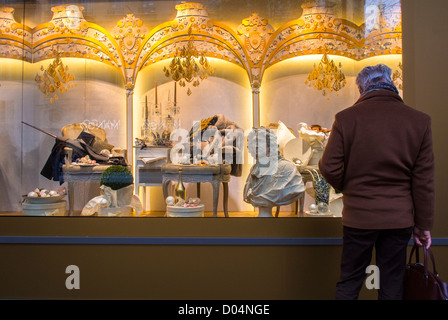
[(129, 33), (256, 32)]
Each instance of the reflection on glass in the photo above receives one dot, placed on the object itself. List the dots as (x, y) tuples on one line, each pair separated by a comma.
[(107, 44)]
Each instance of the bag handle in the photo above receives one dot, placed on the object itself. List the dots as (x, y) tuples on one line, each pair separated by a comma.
[(415, 249), (317, 174), (312, 174), (417, 259), (429, 251)]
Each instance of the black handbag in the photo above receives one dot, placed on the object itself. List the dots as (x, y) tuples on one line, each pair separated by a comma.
[(419, 282)]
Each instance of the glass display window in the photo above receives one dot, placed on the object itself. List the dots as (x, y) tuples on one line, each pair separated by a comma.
[(135, 80)]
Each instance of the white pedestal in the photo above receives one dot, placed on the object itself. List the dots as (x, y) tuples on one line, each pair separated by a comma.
[(265, 212), (184, 212), (58, 208)]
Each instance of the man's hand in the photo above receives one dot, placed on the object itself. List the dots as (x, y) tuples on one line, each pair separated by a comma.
[(422, 237)]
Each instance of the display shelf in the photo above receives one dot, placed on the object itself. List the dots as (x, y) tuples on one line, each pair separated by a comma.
[(170, 227)]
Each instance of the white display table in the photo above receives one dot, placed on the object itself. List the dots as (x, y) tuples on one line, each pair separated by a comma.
[(148, 164)]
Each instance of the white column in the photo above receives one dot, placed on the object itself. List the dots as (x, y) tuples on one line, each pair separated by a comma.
[(129, 125), (256, 105)]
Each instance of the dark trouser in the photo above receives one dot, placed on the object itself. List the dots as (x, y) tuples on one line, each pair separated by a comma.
[(390, 246)]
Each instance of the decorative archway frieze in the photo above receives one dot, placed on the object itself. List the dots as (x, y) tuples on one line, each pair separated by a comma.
[(254, 46), (72, 36), (318, 30), (212, 38), (15, 38)]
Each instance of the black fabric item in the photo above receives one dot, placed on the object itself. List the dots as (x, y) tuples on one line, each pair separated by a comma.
[(221, 123), (87, 137), (52, 169), (99, 145)]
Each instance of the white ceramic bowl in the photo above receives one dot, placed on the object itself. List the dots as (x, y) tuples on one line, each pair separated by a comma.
[(44, 199)]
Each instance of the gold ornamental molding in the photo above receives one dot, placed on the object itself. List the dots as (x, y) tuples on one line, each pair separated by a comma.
[(15, 38), (211, 38), (254, 46), (319, 31)]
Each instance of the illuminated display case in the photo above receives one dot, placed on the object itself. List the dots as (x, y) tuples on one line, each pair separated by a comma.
[(104, 63)]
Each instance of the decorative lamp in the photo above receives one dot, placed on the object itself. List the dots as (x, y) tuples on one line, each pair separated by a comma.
[(189, 66), (55, 77), (326, 76), (397, 76)]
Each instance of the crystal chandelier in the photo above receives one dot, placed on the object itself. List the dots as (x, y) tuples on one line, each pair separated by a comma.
[(189, 66), (327, 76), (397, 76), (55, 77)]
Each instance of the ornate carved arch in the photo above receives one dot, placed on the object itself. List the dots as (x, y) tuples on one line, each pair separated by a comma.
[(254, 46), (210, 37)]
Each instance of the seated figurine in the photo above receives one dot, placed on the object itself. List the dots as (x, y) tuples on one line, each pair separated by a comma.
[(272, 181)]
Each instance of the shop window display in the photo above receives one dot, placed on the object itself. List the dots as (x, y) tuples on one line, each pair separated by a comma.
[(174, 82)]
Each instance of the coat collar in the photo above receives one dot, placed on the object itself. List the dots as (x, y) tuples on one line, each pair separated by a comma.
[(378, 94)]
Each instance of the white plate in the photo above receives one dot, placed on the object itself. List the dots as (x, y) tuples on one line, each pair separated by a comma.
[(85, 164), (317, 214)]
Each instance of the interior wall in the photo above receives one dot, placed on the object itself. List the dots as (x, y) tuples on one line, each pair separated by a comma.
[(97, 98), (10, 134), (286, 97)]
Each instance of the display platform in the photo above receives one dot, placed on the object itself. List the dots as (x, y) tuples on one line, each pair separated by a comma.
[(162, 227)]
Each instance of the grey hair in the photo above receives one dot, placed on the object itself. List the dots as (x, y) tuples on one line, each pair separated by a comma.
[(372, 75)]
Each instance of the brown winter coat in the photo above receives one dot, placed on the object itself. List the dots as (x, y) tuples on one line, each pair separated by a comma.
[(380, 156)]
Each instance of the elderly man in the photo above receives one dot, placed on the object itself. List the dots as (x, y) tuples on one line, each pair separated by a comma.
[(380, 156)]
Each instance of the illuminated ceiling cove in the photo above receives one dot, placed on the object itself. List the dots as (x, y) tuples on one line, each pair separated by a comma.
[(255, 45)]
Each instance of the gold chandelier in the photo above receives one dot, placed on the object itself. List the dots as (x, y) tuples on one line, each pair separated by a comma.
[(327, 76), (55, 77), (189, 66), (397, 76)]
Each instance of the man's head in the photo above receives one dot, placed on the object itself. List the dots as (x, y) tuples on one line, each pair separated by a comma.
[(373, 75)]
